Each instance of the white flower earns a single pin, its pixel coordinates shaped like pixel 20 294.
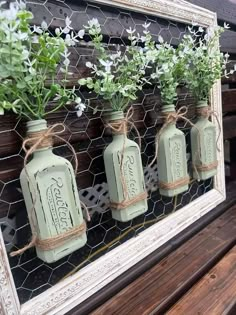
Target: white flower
pixel 143 39
pixel 175 59
pixel 44 25
pixel 1 111
pixel 226 26
pixel 21 36
pixel 69 41
pixel 89 64
pixel 146 25
pixel 107 64
pixel 25 54
pixel 165 67
pixel 35 39
pixel 81 33
pixel 130 30
pixel 21 5
pixel 32 71
pixel 11 13
pixel 68 22
pixel 57 31
pixel 160 39
pixel 115 56
pixel 227 56
pixel 37 30
pixel 66 62
pixel 93 22
pixel 80 107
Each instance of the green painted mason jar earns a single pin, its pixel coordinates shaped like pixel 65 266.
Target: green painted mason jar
pixel 203 145
pixel 49 186
pixel 171 160
pixel 132 173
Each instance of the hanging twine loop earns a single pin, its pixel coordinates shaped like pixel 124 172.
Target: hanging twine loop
pixel 120 126
pixel 35 141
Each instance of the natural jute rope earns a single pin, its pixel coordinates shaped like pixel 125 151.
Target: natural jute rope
pixel 39 140
pixel 120 127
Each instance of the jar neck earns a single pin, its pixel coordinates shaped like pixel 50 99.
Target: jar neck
pixel 36 130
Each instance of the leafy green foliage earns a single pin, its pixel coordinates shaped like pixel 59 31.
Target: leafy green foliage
pixel 203 62
pixel 118 76
pixel 29 56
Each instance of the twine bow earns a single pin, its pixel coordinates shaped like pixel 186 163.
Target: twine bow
pixel 120 127
pixel 38 140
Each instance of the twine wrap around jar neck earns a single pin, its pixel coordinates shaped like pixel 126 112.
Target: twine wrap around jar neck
pixel 37 129
pixel 203 110
pixel 117 122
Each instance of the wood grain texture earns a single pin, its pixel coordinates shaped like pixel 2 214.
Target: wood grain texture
pixel 162 285
pixel 214 293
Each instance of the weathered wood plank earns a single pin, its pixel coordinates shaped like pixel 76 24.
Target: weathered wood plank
pixel 229 123
pixel 161 286
pixel 229 100
pixel 213 293
pixel 88 126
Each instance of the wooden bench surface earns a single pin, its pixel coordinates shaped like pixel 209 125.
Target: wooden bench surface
pixel 213 293
pixel 179 278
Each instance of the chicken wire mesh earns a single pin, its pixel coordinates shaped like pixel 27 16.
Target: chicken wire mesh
pixel 89 138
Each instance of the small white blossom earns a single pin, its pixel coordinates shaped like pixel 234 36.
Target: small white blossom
pixel 11 13
pixel 1 111
pixel 44 25
pixel 160 39
pixel 81 33
pixel 93 22
pixel 227 56
pixel 226 26
pixel 37 30
pixel 115 56
pixel 146 25
pixel 89 64
pixel 130 30
pixel 57 31
pixel 66 62
pixel 21 5
pixel 69 41
pixel 35 39
pixel 68 22
pixel 107 64
pixel 80 107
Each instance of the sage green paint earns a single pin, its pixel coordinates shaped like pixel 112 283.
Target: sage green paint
pixel 203 145
pixel 132 171
pixel 171 160
pixel 50 181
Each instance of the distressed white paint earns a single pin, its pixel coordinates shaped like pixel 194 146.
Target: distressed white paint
pixel 72 291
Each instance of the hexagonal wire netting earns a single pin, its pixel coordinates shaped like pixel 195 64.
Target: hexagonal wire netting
pixel 89 138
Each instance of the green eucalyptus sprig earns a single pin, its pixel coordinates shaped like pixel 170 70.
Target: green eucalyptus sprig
pixel 204 63
pixel 168 68
pixel 29 56
pixel 117 77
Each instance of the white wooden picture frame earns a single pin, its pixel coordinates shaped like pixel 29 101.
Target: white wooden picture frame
pixel 72 291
